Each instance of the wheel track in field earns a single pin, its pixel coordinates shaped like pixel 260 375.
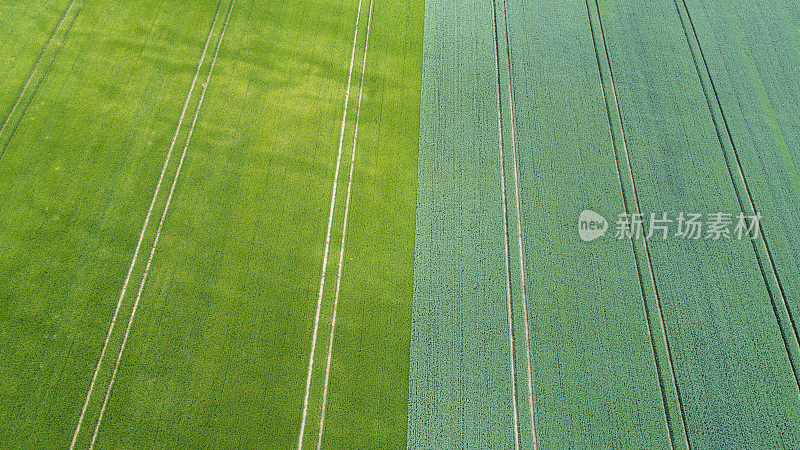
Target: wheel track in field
pixel 506 253
pixel 627 210
pixel 59 46
pixel 528 358
pixel 344 232
pixel 146 222
pixel 644 240
pixel 328 235
pixel 160 226
pixel 777 309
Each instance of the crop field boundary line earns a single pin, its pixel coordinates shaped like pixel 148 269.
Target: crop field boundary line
pixel 743 178
pixel 142 233
pixel 627 210
pixel 506 252
pixel 328 235
pixel 161 224
pixel 646 247
pixel 344 232
pixel 60 45
pixel 519 228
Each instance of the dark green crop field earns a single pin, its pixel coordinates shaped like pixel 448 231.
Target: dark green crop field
pixel 533 113
pixel 385 224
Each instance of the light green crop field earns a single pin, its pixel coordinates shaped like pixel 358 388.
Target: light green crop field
pixel 213 349
pixel 359 224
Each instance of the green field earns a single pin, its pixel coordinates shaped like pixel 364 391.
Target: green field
pixel 613 106
pixel 218 352
pixel 354 224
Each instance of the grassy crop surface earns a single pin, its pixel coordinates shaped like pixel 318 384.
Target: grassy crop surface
pixel 587 381
pixel 220 124
pixel 44 28
pixel 755 89
pixel 592 356
pixel 37 21
pixel 717 309
pixel 388 224
pixel 609 106
pixel 460 387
